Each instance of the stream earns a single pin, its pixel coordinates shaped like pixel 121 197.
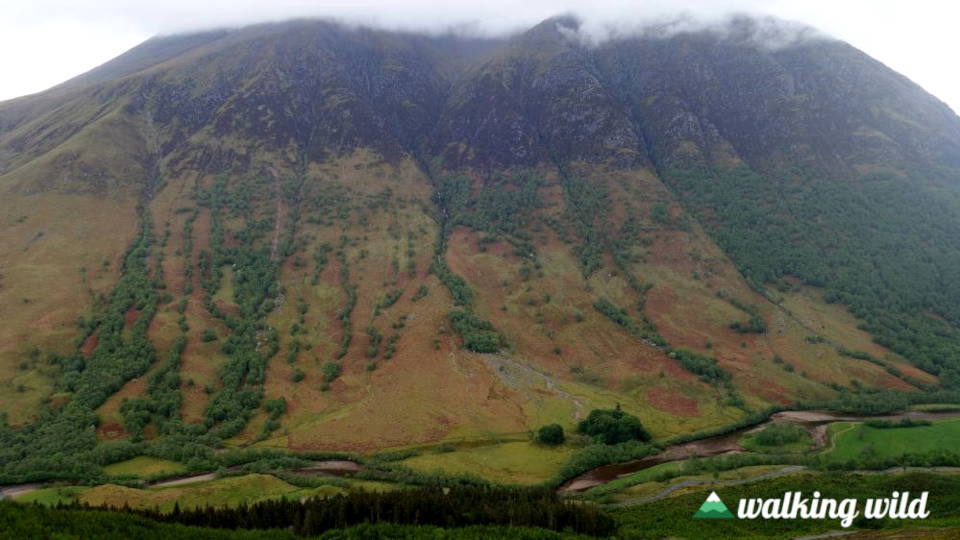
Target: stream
pixel 815 422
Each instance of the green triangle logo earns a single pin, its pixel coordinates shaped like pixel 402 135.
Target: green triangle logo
pixel 713 508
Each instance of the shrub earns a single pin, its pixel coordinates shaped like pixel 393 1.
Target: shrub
pixel 478 335
pixel 780 434
pixel 551 434
pixel 331 370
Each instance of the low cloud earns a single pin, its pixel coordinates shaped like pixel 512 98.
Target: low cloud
pixel 56 39
pixel 761 31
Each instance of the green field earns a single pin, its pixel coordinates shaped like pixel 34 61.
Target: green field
pixel 229 491
pixel 857 440
pixel 144 467
pixel 508 463
pixel 936 407
pixel 654 480
pixel 672 517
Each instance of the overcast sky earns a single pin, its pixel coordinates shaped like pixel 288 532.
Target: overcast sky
pixel 45 42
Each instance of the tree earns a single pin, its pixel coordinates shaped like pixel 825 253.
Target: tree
pixel 551 434
pixel 613 426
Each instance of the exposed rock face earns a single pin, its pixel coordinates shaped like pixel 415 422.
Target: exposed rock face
pixel 539 96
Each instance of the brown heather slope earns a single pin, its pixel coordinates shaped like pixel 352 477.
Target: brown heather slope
pixel 543 170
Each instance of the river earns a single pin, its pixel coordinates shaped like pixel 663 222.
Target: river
pixel 815 422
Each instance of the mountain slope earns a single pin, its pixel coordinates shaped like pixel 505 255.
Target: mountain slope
pixel 315 237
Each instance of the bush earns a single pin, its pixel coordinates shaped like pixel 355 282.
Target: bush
pixel 421 293
pixel 208 335
pixel 551 434
pixel 331 370
pixel 478 335
pixel 704 366
pixel 780 434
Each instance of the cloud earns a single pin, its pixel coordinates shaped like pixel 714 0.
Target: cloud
pixel 491 16
pixel 761 31
pixel 56 39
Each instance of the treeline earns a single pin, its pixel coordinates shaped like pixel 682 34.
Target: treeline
pixel 446 507
pixel 903 423
pixel 35 521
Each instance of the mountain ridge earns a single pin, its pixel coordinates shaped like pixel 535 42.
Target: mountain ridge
pixel 349 238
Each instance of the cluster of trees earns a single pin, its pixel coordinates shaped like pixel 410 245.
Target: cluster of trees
pixel 456 207
pixel 275 409
pixel 620 316
pixel 754 325
pixel 351 291
pixel 613 426
pixel 503 205
pixel 587 204
pixel 118 358
pixel 61 441
pixel 255 276
pixel 780 434
pixel 389 299
pixel 623 255
pixel 459 290
pixel 420 294
pixel 162 402
pixel 478 335
pixel 704 366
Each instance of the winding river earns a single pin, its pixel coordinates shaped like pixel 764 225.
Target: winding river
pixel 815 422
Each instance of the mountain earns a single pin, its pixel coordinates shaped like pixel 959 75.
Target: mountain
pixel 317 237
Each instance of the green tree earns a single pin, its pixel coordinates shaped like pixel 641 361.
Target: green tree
pixel 613 426
pixel 551 434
